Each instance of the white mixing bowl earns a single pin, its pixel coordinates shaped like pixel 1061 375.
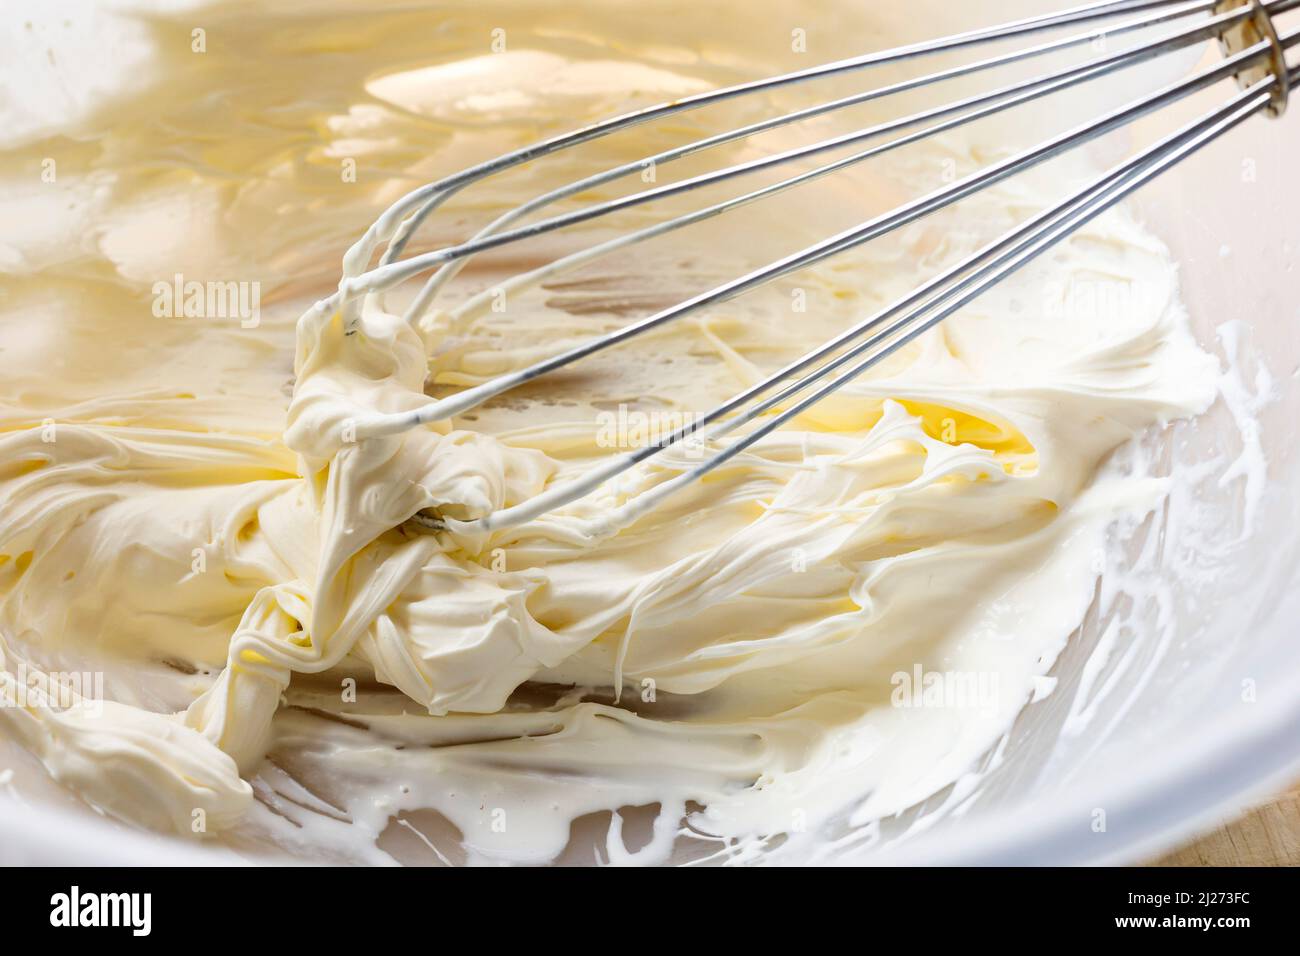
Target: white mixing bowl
pixel 1175 704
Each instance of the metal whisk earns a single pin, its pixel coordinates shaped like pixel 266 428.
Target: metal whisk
pixel 1254 53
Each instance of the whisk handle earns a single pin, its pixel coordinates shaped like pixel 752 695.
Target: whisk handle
pixel 1248 32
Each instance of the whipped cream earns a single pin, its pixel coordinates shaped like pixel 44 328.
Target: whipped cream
pixel 831 628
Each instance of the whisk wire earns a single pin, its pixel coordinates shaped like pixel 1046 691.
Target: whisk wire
pixel 1013 95
pixel 449 269
pixel 1254 53
pixel 996 261
pixel 395 224
pixel 874 228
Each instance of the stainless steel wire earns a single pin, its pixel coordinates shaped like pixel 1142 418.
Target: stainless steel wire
pixel 1255 54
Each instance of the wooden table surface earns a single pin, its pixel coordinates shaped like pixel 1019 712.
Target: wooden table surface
pixel 1267 836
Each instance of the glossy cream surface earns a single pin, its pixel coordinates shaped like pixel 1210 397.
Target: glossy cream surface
pixel 289 659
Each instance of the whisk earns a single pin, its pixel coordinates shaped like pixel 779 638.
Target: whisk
pixel 1254 53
